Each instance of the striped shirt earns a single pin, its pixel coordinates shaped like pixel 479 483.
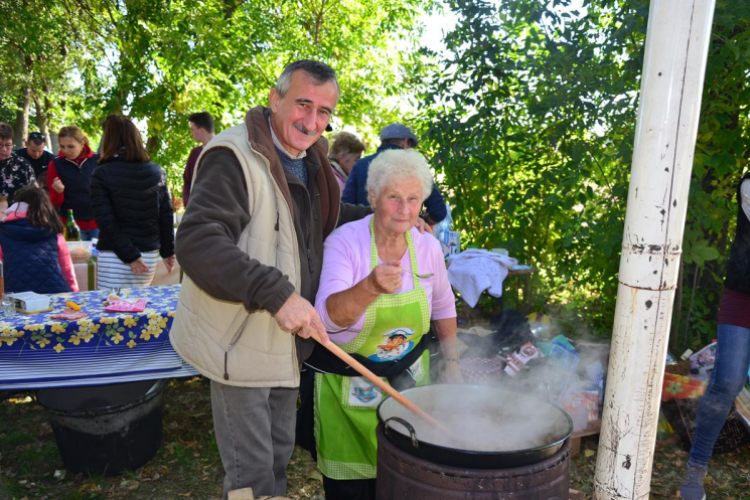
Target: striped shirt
pixel 114 273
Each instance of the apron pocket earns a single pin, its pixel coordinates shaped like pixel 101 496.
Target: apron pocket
pixel 360 393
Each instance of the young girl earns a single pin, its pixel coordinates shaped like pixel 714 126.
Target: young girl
pixel 69 178
pixel 32 247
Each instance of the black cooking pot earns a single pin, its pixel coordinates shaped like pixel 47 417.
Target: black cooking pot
pixel 491 428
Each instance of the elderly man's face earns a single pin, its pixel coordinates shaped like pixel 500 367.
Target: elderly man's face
pixel 301 116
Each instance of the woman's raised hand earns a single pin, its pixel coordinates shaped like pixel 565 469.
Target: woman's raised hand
pixel 386 277
pixel 57 185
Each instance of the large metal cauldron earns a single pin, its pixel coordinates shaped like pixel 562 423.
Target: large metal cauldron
pixel 492 428
pixel 402 476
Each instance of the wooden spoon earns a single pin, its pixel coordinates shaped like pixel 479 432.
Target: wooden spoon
pixel 369 375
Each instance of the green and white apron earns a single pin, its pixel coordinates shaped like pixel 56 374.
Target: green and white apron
pixel 345 407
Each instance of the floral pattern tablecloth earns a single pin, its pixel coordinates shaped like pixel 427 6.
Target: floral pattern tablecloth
pixel 38 351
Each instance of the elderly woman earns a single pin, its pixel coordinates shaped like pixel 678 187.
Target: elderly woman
pixel 15 172
pixel 382 282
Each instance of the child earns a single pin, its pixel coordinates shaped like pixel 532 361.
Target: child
pixel 32 247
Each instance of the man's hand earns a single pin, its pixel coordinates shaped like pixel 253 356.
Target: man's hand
pixel 386 277
pixel 57 185
pixel 298 316
pixel 423 226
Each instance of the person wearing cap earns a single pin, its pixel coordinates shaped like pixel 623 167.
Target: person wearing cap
pixel 37 156
pixel 394 136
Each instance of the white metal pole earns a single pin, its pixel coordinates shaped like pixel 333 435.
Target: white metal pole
pixel 674 66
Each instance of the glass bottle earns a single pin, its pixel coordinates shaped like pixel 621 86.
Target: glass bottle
pixel 71 232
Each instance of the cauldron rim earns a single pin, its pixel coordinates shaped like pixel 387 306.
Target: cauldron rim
pixel 480 459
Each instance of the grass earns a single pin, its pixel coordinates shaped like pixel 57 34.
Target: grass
pixel 187 464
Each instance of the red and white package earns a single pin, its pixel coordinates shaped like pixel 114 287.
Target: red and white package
pixel 518 359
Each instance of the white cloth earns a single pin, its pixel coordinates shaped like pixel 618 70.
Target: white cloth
pixel 20 206
pixel 473 271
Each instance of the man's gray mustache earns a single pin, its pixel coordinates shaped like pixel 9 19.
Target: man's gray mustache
pixel 304 130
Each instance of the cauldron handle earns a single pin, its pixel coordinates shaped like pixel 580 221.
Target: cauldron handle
pixel 409 427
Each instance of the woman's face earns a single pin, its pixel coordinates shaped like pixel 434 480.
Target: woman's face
pixel 71 147
pixel 398 205
pixel 6 148
pixel 348 160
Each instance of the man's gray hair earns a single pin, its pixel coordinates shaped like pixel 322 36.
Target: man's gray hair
pixel 320 73
pixel 394 166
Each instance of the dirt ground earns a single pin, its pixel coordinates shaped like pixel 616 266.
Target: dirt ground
pixel 187 464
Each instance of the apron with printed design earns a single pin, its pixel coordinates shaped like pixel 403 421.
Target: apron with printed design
pixel 345 407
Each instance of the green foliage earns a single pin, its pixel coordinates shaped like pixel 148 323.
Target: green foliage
pixel 159 60
pixel 530 118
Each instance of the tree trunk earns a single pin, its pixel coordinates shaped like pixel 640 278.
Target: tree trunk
pixel 42 120
pixel 153 143
pixel 22 118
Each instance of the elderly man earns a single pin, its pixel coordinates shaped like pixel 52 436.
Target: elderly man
pixel 251 244
pixel 394 136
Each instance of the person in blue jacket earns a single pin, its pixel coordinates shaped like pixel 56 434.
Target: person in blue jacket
pixel 394 136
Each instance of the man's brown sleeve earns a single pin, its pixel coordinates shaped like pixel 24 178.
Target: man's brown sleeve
pixel 350 213
pixel 206 244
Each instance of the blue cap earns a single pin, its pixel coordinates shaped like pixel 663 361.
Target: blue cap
pixel 398 131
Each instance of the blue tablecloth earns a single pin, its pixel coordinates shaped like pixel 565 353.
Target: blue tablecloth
pixel 37 351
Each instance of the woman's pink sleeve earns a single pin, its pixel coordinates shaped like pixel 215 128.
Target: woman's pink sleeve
pixel 66 263
pixel 336 276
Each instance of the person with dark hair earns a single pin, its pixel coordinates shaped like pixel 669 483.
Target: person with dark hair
pixel 250 244
pixel 732 352
pixel 394 136
pixel 346 149
pixel 15 172
pixel 202 129
pixel 37 156
pixel 34 252
pixel 132 208
pixel 69 177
